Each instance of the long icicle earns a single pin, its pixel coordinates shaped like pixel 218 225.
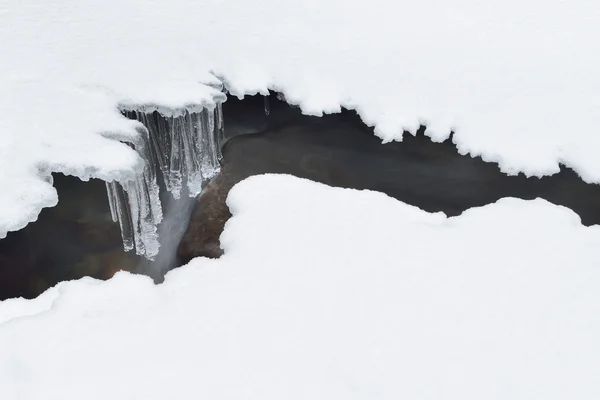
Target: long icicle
pixel 182 149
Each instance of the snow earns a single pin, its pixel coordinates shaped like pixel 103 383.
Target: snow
pixel 329 293
pixel 516 79
pixel 17 308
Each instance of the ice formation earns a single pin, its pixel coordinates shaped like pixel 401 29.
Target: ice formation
pixel 182 148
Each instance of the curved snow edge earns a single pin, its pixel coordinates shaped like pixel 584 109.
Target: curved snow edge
pixel 254 198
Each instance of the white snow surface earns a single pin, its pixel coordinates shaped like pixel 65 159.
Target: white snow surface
pixel 328 293
pixel 517 79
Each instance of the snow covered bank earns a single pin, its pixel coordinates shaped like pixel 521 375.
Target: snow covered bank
pixel 516 79
pixel 328 293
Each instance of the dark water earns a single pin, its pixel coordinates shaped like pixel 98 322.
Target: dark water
pixel 339 150
pixel 77 238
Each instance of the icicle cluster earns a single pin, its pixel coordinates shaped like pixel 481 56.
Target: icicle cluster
pixel 181 149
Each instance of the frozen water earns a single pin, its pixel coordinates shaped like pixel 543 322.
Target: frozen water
pixel 181 148
pixel 184 147
pixel 135 204
pixel 119 209
pixel 176 216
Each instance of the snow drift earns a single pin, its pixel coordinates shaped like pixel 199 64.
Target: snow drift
pixel 516 80
pixel 330 293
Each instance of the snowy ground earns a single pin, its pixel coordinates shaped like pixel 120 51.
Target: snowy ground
pixel 517 79
pixel 323 293
pixel 329 293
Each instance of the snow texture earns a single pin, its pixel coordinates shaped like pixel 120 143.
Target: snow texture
pixel 517 80
pixel 363 297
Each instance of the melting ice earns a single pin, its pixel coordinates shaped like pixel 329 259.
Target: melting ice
pixel 182 149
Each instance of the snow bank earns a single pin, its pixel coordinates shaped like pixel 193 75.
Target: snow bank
pixel 17 308
pixel 517 79
pixel 328 293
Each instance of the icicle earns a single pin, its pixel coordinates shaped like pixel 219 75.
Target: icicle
pixel 120 210
pixel 220 134
pixel 219 116
pixel 146 214
pixel 211 167
pixel 194 174
pixel 175 175
pixel 267 105
pixel 157 144
pixel 136 205
pixel 183 149
pixel 112 201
